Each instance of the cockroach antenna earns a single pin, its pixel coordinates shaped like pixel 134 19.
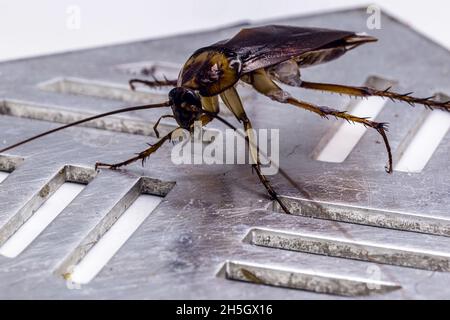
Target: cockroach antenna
pixel 128 109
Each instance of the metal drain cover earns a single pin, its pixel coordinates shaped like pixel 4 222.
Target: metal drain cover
pixel 368 235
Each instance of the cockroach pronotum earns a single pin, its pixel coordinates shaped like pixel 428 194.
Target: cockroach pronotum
pixel 261 57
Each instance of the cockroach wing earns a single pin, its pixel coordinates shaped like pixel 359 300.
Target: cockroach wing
pixel 265 46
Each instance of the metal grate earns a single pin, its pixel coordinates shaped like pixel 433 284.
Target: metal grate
pixel 365 234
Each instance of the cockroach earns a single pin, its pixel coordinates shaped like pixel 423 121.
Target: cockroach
pixel 261 57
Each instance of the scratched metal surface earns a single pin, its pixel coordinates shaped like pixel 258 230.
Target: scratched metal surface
pixel 216 225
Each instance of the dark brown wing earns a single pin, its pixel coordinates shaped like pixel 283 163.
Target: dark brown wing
pixel 261 47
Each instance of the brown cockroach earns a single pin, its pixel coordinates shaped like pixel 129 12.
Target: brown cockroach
pixel 261 57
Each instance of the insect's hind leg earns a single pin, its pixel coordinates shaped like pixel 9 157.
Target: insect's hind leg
pixel 324 112
pixel 368 92
pixel 263 84
pixel 140 156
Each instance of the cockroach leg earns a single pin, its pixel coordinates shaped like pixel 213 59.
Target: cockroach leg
pixel 324 112
pixel 233 102
pixel 152 84
pixel 210 104
pixel 368 92
pixel 251 141
pixel 254 151
pixel 140 156
pixel 205 119
pixel 262 82
pixel 155 127
pixel 273 194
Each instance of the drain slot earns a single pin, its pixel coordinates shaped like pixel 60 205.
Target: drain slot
pixel 42 208
pixel 108 236
pixel 31 229
pixel 99 255
pixel 157 69
pixel 339 142
pixel 29 110
pixel 308 280
pixel 102 89
pixel 418 147
pixel 366 216
pixel 349 249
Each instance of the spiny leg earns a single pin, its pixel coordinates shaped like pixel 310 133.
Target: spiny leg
pixel 368 92
pixel 140 156
pixel 273 194
pixel 263 84
pixel 155 127
pixel 152 84
pixel 324 112
pixel 208 116
pixel 231 99
pixel 269 188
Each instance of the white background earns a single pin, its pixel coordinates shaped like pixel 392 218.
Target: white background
pixel 33 27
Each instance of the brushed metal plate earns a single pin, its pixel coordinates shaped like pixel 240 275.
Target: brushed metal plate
pixel 195 243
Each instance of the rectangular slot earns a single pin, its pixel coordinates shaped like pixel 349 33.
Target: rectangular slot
pixel 157 69
pixel 366 216
pixel 35 111
pixel 337 144
pixel 350 249
pixel 418 147
pixel 113 230
pixel 31 229
pixel 103 89
pixel 308 280
pixel 114 238
pixel 348 135
pixel 43 207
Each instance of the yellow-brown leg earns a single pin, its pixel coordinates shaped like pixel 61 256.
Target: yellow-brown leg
pixel 140 156
pixel 155 127
pixel 368 92
pixel 205 119
pixel 263 84
pixel 231 99
pixel 381 127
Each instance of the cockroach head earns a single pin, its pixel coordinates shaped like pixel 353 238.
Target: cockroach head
pixel 184 97
pixel 186 106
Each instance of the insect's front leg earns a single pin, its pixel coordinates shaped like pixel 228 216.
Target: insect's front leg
pixel 140 156
pixel 367 92
pixel 155 127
